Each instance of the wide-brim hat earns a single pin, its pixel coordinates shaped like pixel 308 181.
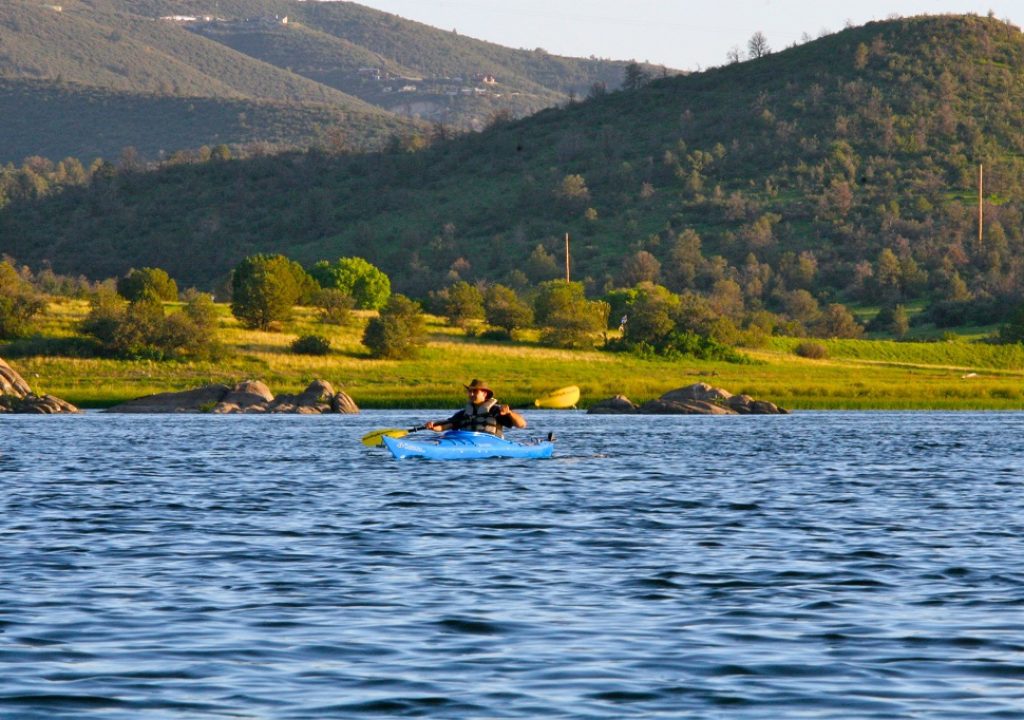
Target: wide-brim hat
pixel 476 384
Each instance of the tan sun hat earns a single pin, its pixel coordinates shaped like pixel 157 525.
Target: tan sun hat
pixel 476 384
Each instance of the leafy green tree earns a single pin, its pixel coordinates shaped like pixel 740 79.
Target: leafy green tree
pixel 694 314
pixel 19 303
pixel 364 282
pixel 801 306
pixel 504 309
pixel 151 281
pixel 837 322
pixel 541 265
pixel 639 267
pixel 264 289
pixel 619 301
pixel 464 304
pixel 568 318
pixel 683 261
pixel 650 315
pixel 888 276
pixel 398 332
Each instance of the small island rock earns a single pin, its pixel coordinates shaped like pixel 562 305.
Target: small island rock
pixel 696 399
pixel 618 405
pixel 248 397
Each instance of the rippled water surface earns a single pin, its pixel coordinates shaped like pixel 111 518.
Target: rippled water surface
pixel 818 565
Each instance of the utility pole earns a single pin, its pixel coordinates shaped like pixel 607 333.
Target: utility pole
pixel 567 258
pixel 981 204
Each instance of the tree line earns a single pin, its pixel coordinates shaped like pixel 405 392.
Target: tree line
pixel 128 316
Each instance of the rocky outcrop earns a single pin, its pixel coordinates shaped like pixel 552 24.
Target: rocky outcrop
pixel 618 405
pixel 17 397
pixel 696 399
pixel 661 406
pixel 249 397
pixel 189 401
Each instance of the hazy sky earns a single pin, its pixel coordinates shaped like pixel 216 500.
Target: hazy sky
pixel 683 34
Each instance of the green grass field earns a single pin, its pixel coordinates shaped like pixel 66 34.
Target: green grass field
pixel 858 374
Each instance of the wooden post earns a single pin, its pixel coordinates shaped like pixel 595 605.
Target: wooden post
pixel 567 257
pixel 981 204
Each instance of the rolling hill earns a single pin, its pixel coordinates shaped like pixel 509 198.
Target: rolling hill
pixel 846 167
pixel 334 61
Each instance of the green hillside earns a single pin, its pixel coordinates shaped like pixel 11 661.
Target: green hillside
pixel 376 38
pixel 352 59
pixel 845 167
pixel 130 53
pixel 36 111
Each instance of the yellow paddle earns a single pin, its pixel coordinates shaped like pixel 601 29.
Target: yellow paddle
pixel 560 399
pixel 375 438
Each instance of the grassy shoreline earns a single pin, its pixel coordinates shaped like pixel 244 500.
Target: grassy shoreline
pixel 858 375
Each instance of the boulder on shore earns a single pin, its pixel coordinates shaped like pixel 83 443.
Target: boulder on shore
pixel 618 405
pixel 695 399
pixel 189 401
pixel 248 396
pixel 17 397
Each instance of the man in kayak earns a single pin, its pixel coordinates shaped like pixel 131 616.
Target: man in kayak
pixel 481 414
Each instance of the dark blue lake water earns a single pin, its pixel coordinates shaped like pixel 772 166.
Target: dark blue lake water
pixel 818 565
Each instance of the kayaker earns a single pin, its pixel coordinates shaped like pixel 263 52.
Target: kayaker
pixel 482 413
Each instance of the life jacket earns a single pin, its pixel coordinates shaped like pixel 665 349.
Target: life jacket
pixel 478 418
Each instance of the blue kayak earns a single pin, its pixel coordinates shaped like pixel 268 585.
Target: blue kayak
pixel 465 445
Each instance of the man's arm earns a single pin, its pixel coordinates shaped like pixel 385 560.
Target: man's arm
pixel 442 425
pixel 512 418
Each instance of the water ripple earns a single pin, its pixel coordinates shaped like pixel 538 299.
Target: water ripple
pixel 827 565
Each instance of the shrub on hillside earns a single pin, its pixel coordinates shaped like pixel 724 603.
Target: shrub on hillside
pixel 811 350
pixel 311 345
pixel 141 329
pixel 398 332
pixel 334 306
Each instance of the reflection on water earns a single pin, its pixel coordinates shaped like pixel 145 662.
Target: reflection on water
pixel 814 565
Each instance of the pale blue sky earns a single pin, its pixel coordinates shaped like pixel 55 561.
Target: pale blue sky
pixel 679 33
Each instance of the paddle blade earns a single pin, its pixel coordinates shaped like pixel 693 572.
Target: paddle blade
pixel 375 439
pixel 560 399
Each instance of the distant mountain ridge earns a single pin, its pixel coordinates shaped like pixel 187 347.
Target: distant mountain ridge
pixel 351 59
